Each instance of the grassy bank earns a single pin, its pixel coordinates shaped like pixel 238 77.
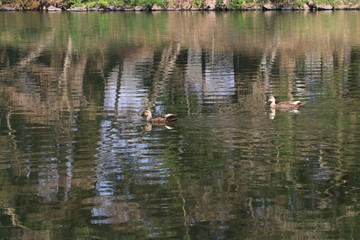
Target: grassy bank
pixel 113 5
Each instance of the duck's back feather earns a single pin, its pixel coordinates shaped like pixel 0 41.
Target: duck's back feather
pixel 165 118
pixel 290 104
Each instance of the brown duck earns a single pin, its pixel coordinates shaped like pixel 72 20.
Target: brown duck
pixel 284 105
pixel 162 118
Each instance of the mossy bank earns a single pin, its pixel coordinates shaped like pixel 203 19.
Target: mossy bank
pixel 194 5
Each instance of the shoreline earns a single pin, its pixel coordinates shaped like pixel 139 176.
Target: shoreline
pixel 204 5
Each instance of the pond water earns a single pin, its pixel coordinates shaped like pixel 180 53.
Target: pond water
pixel 77 161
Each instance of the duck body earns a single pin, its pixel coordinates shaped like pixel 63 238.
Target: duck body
pixel 161 118
pixel 285 105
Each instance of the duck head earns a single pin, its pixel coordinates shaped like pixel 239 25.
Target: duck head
pixel 147 114
pixel 271 99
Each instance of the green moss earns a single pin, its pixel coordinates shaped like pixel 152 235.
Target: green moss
pixel 239 4
pixel 149 3
pixel 236 4
pixel 198 3
pixel 328 2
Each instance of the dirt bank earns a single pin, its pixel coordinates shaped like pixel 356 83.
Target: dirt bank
pixel 176 5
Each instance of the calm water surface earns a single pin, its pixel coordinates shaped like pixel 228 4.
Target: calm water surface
pixel 78 162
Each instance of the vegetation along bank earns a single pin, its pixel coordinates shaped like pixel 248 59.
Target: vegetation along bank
pixel 158 5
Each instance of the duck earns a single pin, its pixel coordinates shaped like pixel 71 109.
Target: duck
pixel 284 105
pixel 161 118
